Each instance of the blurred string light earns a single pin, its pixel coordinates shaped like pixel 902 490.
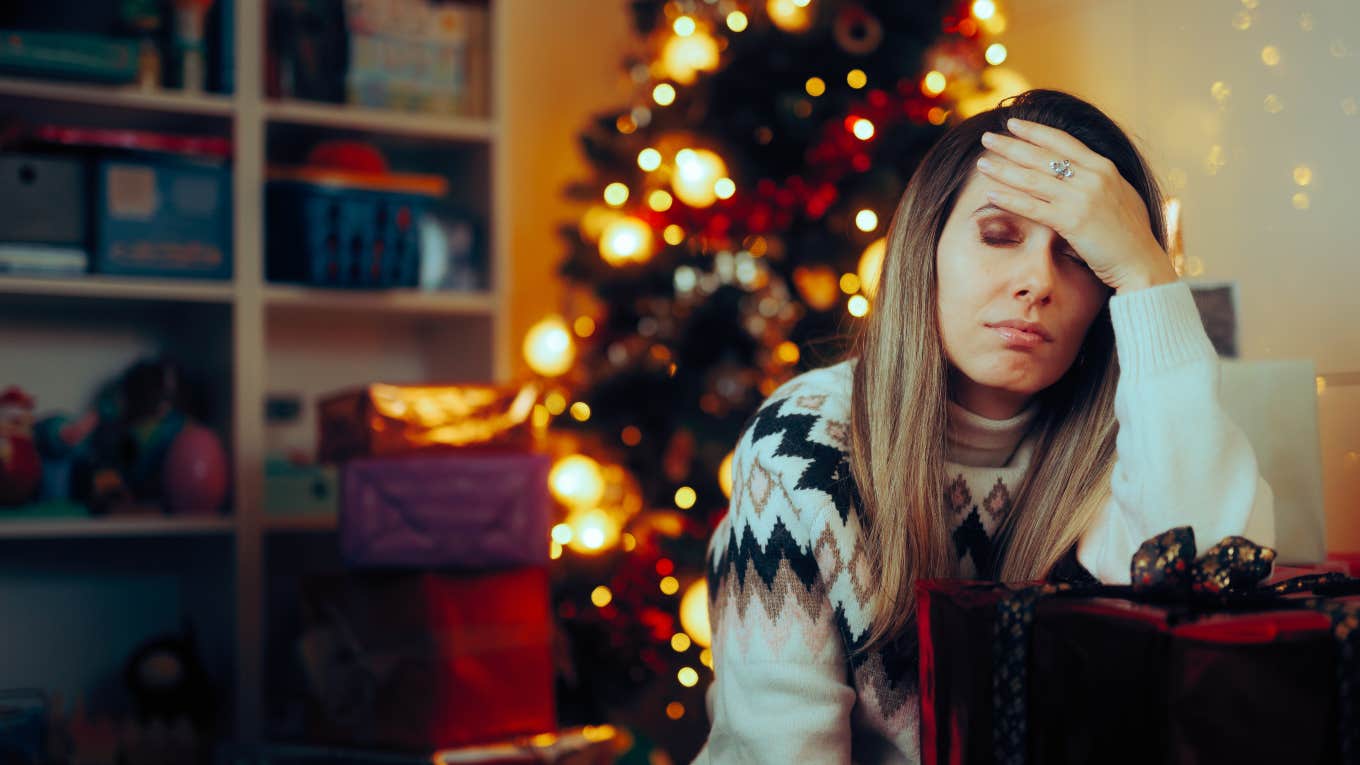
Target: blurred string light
pixel 684 56
pixel 737 21
pixel 593 531
pixel 685 497
pixel 580 411
pixel 684 26
pixel 871 264
pixel 669 585
pixel 697 171
pixel 789 15
pixel 1270 55
pixel 688 677
pixel 862 128
pixel 725 476
pixel 996 54
pixel 815 86
pixel 983 9
pixel 856 78
pixel 584 326
pixel 858 306
pixel 694 613
pixel 934 83
pixel 664 94
pixel 1303 175
pixel 601 596
pixel 649 159
pixel 615 194
pixel 578 482
pixel 660 200
pixel 626 240
pixel 548 347
pixel 866 220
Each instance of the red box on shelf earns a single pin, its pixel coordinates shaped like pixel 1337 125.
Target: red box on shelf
pixel 422 661
pixel 1111 680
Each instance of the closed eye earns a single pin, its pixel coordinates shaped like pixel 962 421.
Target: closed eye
pixel 1005 241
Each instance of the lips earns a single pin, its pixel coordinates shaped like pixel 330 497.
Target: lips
pixel 1027 327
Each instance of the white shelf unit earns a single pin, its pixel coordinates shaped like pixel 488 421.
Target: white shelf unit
pixel 254 338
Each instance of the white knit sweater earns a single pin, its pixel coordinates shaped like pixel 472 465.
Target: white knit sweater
pixel 788 576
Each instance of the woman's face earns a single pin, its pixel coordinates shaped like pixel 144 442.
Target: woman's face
pixel 994 266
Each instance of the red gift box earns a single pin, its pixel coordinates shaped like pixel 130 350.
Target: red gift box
pixel 1110 680
pixel 422 661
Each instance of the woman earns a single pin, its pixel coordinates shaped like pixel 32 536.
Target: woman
pixel 1033 388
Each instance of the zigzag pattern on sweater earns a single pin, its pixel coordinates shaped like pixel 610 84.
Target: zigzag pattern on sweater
pixel 886 680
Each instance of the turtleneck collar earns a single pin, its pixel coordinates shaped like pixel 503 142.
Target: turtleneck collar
pixel 977 441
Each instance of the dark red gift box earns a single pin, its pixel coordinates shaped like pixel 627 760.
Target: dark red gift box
pixel 1114 681
pixel 421 661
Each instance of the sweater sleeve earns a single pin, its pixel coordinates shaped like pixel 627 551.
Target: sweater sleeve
pixel 780 691
pixel 1180 460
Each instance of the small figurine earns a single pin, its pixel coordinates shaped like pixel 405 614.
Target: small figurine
pixel 20 465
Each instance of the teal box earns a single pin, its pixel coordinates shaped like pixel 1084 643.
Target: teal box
pixel 300 490
pixel 161 216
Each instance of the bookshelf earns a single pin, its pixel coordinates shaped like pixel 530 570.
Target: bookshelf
pixel 254 338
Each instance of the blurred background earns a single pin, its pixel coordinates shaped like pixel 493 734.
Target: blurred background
pixel 369 368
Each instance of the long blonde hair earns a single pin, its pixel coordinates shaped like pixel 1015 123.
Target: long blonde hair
pixel 899 400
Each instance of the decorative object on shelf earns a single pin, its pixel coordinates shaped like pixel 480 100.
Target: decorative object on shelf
pixel 142 18
pixel 137 447
pixel 417 55
pixel 345 220
pixel 294 488
pixel 383 420
pixel 1197 648
pixel 43 214
pixel 60 55
pixel 171 690
pixel 452 252
pixel 195 472
pixel 190 50
pixel 308 52
pixel 20 463
pixel 419 661
pixel 467 511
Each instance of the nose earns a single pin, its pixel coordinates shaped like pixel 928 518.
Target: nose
pixel 1036 271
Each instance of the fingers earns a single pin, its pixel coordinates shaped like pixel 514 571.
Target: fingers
pixel 1039 183
pixel 1022 204
pixel 1059 142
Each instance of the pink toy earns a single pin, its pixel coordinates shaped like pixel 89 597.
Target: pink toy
pixel 195 472
pixel 20 465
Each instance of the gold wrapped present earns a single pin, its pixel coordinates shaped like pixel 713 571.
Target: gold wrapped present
pixel 383 419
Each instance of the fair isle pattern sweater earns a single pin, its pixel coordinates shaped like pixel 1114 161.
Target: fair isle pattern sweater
pixel 790 581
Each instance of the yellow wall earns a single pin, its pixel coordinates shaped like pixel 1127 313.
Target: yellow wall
pixel 565 64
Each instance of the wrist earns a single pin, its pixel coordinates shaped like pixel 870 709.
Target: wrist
pixel 1151 276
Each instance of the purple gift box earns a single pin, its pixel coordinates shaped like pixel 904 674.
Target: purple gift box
pixel 445 510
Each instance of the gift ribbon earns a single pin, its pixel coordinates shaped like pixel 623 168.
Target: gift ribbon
pixel 1165 570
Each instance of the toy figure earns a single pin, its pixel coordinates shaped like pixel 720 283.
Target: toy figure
pixel 20 465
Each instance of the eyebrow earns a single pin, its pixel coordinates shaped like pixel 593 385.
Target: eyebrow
pixel 989 206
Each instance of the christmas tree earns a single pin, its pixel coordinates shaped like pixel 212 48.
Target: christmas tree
pixel 734 223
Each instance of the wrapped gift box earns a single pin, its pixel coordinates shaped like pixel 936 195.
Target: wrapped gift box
pixel 381 420
pixel 1112 680
pixel 445 511
pixel 423 661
